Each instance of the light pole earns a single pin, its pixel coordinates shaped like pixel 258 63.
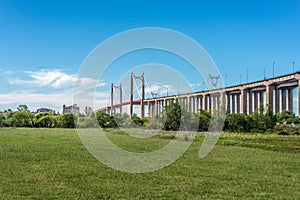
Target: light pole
pixel 273 68
pixel 167 90
pixel 159 89
pixel 247 76
pixel 191 87
pixel 226 75
pixel 264 73
pixel 293 67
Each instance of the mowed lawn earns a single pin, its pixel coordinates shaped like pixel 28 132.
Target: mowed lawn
pixel 54 164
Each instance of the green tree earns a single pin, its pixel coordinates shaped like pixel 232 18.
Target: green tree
pixel 204 120
pixel 105 120
pixel 22 108
pixel 7 115
pixel 45 120
pixel 270 118
pixel 259 117
pixel 21 119
pixel 172 116
pixel 238 123
pixel 66 121
pixel 287 117
pixel 136 121
pixel 1 120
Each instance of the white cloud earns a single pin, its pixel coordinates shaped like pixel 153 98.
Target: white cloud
pixel 52 78
pixel 35 95
pixel 102 84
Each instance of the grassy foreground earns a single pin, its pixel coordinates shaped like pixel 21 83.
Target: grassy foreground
pixel 53 164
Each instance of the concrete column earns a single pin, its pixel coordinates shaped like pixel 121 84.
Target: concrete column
pixel 250 103
pixel 277 101
pixel 283 100
pixel 221 102
pixel 131 94
pixel 261 98
pixel 193 104
pixel 228 103
pixel 214 100
pixel 233 103
pixel 238 104
pixel 200 103
pixel 197 104
pixel 155 108
pixel 290 100
pixel 244 101
pixel 111 98
pixel 269 95
pixel 218 102
pixel 150 109
pixel 255 101
pixel 204 102
pixel 188 103
pixel 209 102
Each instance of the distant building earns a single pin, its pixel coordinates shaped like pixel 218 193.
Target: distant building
pixel 42 110
pixel 70 109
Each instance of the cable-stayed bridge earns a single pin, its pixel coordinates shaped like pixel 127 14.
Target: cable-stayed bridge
pixel 277 92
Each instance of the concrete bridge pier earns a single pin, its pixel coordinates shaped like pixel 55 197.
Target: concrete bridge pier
pixel 283 99
pixel 277 99
pixel 290 100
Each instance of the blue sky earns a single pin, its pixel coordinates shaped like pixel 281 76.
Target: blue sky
pixel 43 43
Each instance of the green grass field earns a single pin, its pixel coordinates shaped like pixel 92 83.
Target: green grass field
pixel 53 164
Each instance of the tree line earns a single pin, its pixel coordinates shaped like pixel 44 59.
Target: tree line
pixel 24 118
pixel 174 117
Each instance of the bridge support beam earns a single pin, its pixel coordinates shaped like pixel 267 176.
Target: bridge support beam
pixel 261 98
pixel 290 100
pixel 269 95
pixel 244 101
pixel 255 101
pixel 228 103
pixel 208 102
pixel 111 99
pixel 131 94
pixel 250 102
pixel 283 100
pixel 238 104
pixel 204 102
pixel 233 103
pixel 143 96
pixel 277 110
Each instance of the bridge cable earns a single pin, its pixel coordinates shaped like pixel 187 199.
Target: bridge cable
pixel 151 92
pixel 137 88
